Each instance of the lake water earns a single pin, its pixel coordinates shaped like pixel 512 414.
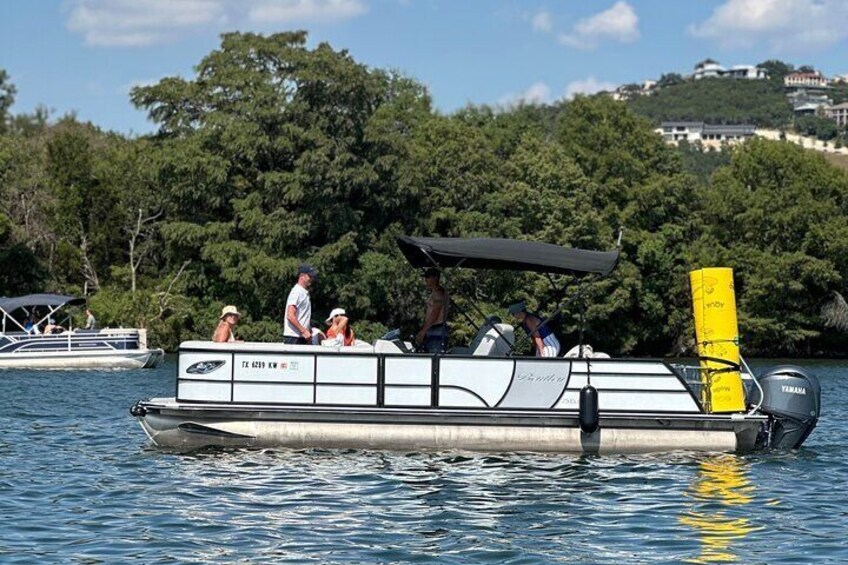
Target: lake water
pixel 79 484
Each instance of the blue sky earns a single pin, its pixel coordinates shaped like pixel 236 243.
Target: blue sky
pixel 85 55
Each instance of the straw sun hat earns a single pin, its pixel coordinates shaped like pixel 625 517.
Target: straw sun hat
pixel 230 310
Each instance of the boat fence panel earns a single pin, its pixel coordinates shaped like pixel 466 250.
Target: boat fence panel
pixel 276 367
pixel 536 384
pixel 629 386
pixel 205 367
pixel 473 382
pixel 283 378
pixel 346 370
pixel 205 377
pixel 347 380
pixel 204 391
pixel 278 393
pixel 408 381
pixel 627 382
pixel 646 401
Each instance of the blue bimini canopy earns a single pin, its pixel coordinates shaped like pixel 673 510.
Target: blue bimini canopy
pixel 53 301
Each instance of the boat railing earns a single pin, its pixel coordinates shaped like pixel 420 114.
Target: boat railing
pixel 116 339
pixel 694 377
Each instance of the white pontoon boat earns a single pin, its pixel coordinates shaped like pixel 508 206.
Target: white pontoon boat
pixel 68 348
pixel 481 398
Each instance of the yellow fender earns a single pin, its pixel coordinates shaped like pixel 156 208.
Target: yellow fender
pixel 716 329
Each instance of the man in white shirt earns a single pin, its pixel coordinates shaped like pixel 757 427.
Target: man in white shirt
pixel 299 309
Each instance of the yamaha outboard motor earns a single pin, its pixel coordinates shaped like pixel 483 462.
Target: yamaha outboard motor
pixel 792 397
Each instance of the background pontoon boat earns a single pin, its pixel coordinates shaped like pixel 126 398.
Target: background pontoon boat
pixel 109 348
pixel 385 397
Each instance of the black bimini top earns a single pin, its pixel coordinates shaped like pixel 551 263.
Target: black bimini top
pixel 11 304
pixel 505 254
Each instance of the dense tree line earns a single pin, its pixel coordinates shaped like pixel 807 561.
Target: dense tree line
pixel 275 153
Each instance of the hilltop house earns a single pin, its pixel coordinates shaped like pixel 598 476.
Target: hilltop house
pixel 711 69
pixel 805 80
pixel 707 134
pixel 838 113
pixel 806 103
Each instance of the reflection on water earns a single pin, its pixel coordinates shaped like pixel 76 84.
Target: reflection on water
pixel 721 484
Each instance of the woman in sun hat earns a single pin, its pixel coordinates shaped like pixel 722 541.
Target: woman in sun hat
pixel 228 320
pixel 340 328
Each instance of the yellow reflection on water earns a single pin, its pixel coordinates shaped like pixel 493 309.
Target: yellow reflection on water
pixel 722 482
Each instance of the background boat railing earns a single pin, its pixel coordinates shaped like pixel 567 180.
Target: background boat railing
pixel 107 339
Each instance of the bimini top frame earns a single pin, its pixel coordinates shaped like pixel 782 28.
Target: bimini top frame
pixel 52 302
pixel 511 255
pixel 505 254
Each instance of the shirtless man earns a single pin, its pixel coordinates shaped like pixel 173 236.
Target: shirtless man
pixel 433 335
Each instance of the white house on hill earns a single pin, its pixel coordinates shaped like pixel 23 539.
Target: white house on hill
pixel 707 134
pixel 714 70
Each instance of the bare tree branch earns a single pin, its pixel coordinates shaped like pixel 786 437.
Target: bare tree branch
pixel 165 297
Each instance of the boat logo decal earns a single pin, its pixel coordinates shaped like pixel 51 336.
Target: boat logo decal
pixel 794 389
pixel 204 367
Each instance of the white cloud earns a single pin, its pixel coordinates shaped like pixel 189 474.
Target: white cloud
pixel 618 23
pixel 133 23
pixel 284 11
pixel 589 85
pixel 785 25
pixel 543 22
pixel 537 93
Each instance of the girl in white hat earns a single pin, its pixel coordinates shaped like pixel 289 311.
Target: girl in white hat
pixel 228 320
pixel 340 328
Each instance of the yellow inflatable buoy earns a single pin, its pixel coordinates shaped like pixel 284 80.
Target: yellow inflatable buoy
pixel 714 306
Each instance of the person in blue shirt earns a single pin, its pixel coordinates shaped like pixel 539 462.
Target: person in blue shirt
pixel 30 326
pixel 547 344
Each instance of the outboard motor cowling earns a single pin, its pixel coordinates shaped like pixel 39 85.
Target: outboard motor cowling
pixel 792 397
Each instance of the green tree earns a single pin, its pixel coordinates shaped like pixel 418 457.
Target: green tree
pixel 7 98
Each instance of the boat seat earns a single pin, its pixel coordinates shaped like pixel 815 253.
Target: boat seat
pixel 393 346
pixel 588 353
pixel 488 342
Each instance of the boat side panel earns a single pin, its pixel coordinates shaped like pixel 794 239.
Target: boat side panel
pixel 536 384
pixel 189 367
pixel 461 380
pixel 408 370
pixel 207 391
pixel 368 379
pixel 279 367
pixel 273 392
pixel 625 385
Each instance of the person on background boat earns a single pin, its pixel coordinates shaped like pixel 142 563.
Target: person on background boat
pixel 340 329
pixel 52 327
pixel 229 319
pixel 90 322
pixel 433 334
pixel 299 308
pixel 30 326
pixel 546 343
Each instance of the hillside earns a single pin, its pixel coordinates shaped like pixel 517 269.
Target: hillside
pixel 840 161
pixel 718 101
